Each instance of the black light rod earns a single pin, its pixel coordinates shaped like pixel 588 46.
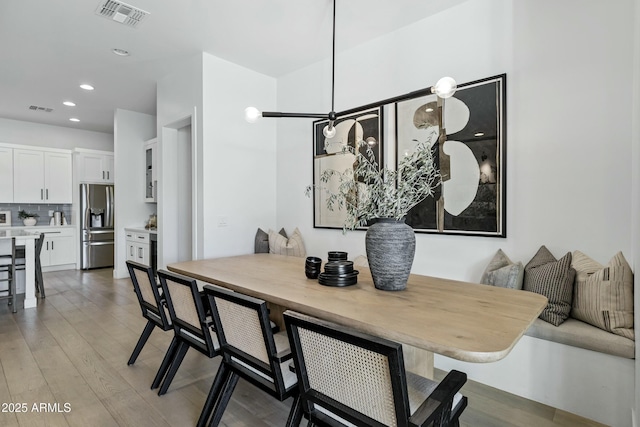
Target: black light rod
pixel 301 115
pixel 333 59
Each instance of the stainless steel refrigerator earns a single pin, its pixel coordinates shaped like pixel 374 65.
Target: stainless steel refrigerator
pixel 96 226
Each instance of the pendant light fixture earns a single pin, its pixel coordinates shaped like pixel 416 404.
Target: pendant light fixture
pixel 444 88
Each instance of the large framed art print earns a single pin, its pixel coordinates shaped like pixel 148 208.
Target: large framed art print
pixel 332 154
pixel 470 155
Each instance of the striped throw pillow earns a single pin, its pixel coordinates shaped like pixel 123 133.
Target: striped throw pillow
pixel 554 279
pixel 293 246
pixel 603 295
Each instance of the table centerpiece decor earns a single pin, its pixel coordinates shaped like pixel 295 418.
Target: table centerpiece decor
pixel 380 198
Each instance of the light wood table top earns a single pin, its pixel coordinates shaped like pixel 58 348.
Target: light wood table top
pixel 465 321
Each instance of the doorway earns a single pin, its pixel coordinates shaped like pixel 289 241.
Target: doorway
pixel 178 201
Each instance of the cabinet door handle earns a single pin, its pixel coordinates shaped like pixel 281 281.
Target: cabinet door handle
pixel 131 250
pixel 47 192
pixel 102 174
pixel 47 245
pixel 41 194
pixel 107 174
pixel 140 253
pixel 51 245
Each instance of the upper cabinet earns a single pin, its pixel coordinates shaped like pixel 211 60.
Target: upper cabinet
pixel 95 167
pixel 151 170
pixel 42 176
pixel 6 175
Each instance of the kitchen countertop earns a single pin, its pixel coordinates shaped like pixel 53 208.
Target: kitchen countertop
pixel 141 229
pixel 36 227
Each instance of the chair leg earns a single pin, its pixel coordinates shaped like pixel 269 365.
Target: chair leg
pixel 166 362
pixel 295 415
pixel 227 391
pixel 221 378
pixel 146 333
pixel 175 364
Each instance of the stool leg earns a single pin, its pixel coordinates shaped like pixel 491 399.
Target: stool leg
pixel 39 279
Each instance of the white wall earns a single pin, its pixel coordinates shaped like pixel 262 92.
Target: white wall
pixel 569 150
pixel 28 133
pixel 131 130
pixel 239 177
pixel 179 97
pixel 233 160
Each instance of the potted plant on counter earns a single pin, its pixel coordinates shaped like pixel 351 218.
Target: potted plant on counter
pixel 28 218
pixel 380 198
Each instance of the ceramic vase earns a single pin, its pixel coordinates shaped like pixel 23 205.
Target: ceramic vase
pixel 29 221
pixel 391 247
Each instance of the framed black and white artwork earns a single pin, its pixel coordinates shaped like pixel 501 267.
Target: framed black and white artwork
pixel 329 153
pixel 470 155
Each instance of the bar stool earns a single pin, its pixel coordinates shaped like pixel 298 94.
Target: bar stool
pixel 21 262
pixel 8 268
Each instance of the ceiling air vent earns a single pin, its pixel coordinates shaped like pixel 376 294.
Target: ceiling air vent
pixel 36 108
pixel 121 12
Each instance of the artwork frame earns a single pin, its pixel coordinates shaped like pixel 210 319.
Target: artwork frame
pixel 470 154
pixel 363 124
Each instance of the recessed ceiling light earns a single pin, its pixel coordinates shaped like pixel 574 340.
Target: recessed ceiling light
pixel 69 103
pixel 73 119
pixel 86 87
pixel 479 134
pixel 120 52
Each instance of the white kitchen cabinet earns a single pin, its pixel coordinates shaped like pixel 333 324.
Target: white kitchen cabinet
pixel 59 247
pixel 6 175
pixel 95 167
pixel 151 170
pixel 138 246
pixel 42 176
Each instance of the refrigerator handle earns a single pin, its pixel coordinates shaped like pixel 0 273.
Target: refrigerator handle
pixel 84 189
pixel 109 213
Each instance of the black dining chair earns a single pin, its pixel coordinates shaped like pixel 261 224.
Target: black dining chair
pixel 192 326
pixel 250 350
pixel 152 304
pixel 347 378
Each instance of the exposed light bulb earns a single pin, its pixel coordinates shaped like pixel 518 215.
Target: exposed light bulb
pixel 371 141
pixel 329 131
pixel 251 114
pixel 445 87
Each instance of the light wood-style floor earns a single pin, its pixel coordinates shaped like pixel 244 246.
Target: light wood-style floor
pixel 66 361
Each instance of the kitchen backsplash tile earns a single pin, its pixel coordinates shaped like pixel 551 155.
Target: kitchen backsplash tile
pixel 41 209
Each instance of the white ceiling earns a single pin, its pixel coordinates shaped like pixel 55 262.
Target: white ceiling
pixel 49 47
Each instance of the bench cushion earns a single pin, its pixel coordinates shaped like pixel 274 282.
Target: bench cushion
pixel 575 333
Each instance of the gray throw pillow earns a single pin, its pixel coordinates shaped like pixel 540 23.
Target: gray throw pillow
pixel 554 279
pixel 502 272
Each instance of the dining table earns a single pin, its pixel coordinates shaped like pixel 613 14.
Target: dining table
pixel 465 321
pixel 27 239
